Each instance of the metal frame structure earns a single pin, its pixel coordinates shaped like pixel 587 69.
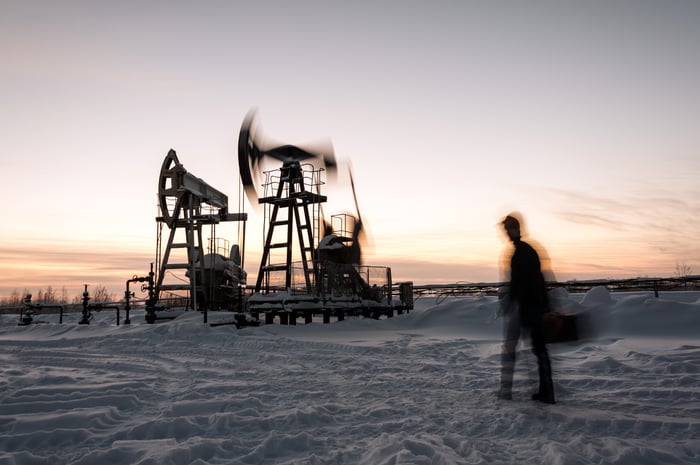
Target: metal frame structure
pixel 187 204
pixel 293 207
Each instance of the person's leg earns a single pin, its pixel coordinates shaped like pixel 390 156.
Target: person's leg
pixel 511 334
pixel 545 392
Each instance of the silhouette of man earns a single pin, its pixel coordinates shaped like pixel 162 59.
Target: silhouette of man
pixel 526 304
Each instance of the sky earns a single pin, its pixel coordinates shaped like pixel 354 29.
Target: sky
pixel 582 116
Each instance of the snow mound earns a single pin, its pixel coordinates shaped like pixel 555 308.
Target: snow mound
pixel 412 389
pixel 597 296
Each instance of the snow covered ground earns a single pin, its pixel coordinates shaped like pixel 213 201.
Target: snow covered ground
pixel 413 389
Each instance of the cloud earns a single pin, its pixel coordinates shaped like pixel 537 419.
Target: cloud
pixel 427 272
pixel 34 265
pixel 643 228
pixel 651 207
pixel 590 219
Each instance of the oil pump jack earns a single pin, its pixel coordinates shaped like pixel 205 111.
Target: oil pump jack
pixel 207 281
pixel 328 275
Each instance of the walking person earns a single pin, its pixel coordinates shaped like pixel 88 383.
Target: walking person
pixel 523 309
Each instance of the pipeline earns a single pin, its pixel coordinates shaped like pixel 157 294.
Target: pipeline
pixel 128 295
pixel 26 315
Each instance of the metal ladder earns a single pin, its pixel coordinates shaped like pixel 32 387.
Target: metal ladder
pixel 293 198
pixel 192 228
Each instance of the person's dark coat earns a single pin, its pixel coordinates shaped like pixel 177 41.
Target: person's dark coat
pixel 527 286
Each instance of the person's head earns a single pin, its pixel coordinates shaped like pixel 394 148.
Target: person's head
pixel 511 224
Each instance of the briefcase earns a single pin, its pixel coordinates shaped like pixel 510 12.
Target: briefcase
pixel 560 327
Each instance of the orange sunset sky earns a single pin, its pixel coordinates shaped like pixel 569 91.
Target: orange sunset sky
pixel 583 116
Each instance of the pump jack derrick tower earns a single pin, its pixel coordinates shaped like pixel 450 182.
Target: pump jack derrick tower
pixel 292 206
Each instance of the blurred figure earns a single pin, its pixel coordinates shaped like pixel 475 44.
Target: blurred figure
pixel 523 306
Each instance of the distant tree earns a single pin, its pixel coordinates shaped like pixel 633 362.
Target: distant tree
pixel 683 270
pixel 98 294
pixel 102 294
pixel 14 299
pixel 49 295
pixel 64 296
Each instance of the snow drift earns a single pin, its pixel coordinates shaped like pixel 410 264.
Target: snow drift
pixel 413 389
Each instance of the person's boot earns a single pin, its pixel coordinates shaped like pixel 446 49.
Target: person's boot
pixel 544 398
pixel 545 393
pixel 505 393
pixel 507 368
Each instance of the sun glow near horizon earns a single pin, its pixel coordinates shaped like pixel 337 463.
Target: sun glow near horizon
pixel 32 267
pixel 464 112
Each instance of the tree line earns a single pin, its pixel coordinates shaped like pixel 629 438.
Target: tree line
pixel 53 296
